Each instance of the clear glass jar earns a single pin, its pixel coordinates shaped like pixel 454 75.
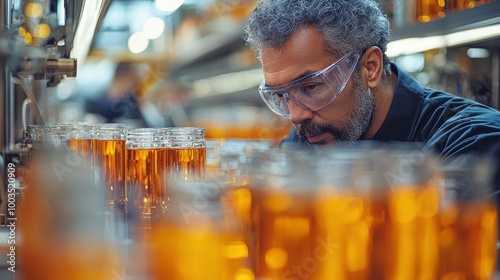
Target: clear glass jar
pixel 146 171
pixel 186 137
pixel 63 223
pixel 47 136
pixel 79 138
pixel 468 218
pixel 109 161
pixel 110 131
pixel 186 158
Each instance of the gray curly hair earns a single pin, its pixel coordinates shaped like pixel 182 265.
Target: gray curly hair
pixel 347 25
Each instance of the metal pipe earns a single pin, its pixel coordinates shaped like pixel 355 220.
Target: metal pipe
pixel 495 79
pixel 5 89
pixel 5 92
pixel 6 14
pixel 29 94
pixel 6 104
pixel 61 66
pixel 3 137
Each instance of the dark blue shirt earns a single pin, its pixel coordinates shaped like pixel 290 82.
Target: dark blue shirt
pixel 444 123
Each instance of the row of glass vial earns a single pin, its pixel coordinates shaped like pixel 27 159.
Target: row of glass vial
pixel 403 12
pixel 132 165
pixel 429 10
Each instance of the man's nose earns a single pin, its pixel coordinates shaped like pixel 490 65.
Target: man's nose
pixel 297 113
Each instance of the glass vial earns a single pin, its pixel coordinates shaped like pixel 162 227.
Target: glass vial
pixel 146 171
pixel 186 157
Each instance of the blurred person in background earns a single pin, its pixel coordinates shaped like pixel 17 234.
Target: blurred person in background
pixel 118 102
pixel 325 68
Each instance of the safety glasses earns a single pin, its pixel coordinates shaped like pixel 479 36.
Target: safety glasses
pixel 313 91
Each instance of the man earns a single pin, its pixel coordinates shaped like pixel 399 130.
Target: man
pixel 118 102
pixel 325 68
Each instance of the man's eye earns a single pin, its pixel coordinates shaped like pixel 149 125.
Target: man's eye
pixel 310 88
pixel 279 94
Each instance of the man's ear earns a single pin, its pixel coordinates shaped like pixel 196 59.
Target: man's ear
pixel 372 66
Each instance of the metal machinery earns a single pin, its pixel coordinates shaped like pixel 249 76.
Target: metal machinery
pixel 38 39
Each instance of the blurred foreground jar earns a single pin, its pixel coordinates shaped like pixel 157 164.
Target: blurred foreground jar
pixel 283 188
pixel 228 160
pixel 197 238
pixel 61 228
pixel 315 216
pixel 468 220
pixel 186 158
pixel 146 171
pixel 406 243
pixel 349 212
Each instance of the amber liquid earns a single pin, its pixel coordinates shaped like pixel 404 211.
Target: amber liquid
pixel 457 5
pixel 428 10
pixel 53 247
pixel 83 148
pixel 309 236
pixel 71 260
pixel 467 241
pixel 346 235
pixel 203 250
pixel 109 157
pixel 274 131
pixel 409 234
pixel 147 181
pixel 236 202
pixel 346 224
pixel 284 235
pixel 186 163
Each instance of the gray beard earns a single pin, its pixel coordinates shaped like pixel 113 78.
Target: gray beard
pixel 355 127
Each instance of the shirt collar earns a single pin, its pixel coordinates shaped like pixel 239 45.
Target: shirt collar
pixel 403 114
